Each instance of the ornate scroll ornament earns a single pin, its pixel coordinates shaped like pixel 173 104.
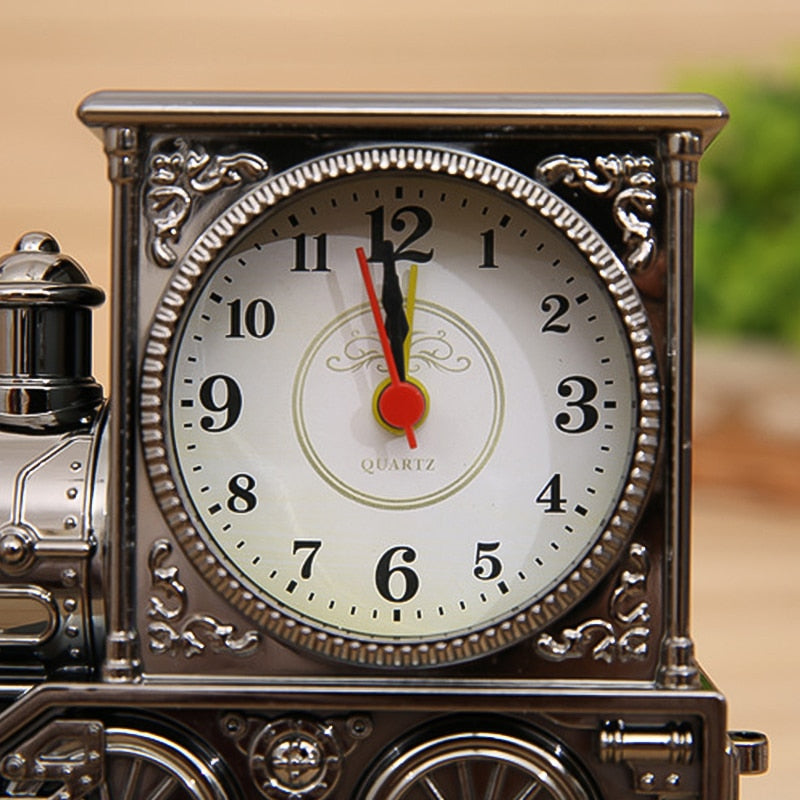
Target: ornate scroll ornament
pixel 626 637
pixel 177 179
pixel 629 180
pixel 171 632
pixel 430 349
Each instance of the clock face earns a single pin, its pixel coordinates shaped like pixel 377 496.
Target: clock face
pixel 408 406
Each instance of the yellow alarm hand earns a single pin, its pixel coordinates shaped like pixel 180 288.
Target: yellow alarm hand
pixel 411 299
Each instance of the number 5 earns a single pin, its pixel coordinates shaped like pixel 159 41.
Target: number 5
pixel 487 566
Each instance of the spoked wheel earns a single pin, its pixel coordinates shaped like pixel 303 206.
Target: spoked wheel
pixel 145 766
pixel 475 765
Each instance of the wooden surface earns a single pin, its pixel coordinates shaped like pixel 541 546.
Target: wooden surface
pixel 52 176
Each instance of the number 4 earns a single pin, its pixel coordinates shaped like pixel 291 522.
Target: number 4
pixel 551 497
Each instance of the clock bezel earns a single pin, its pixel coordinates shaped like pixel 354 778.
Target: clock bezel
pixel 205 253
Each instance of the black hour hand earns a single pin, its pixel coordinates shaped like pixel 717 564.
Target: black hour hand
pixel 396 320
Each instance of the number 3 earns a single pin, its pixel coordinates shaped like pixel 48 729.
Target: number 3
pixel 589 414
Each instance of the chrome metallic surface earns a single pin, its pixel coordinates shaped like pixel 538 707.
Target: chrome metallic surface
pixel 121 659
pixel 659 759
pixel 177 182
pixel 45 355
pixel 452 762
pixel 575 715
pixel 65 752
pixel 629 181
pixel 293 758
pixel 149 766
pixel 171 631
pixel 679 668
pixel 130 666
pixel 52 498
pixel 72 759
pixel 602 112
pixel 672 744
pixel 625 636
pixel 160 458
pixel 30 616
pixel 53 475
pixel 752 752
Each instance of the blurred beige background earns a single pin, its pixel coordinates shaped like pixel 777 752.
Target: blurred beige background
pixel 747 498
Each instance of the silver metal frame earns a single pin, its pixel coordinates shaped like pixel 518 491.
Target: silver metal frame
pixel 676 119
pixel 610 689
pixel 155 432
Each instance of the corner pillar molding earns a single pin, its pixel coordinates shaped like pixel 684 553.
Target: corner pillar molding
pixel 678 668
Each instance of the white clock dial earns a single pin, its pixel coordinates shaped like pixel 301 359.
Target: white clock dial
pixel 450 535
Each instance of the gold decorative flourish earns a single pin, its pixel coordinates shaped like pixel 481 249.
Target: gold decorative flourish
pixel 360 351
pixel 430 349
pixel 435 351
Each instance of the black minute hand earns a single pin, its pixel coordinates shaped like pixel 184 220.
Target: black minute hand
pixel 396 320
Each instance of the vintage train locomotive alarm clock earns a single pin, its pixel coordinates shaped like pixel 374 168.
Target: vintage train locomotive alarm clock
pixel 390 499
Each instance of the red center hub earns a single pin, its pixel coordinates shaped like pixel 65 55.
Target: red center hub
pixel 401 405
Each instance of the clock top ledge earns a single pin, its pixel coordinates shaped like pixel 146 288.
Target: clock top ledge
pixel 620 112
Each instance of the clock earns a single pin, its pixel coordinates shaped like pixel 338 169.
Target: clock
pixel 393 359
pixel 390 498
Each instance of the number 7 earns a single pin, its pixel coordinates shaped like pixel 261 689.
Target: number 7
pixel 313 545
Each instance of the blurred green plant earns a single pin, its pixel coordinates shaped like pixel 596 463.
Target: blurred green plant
pixel 747 251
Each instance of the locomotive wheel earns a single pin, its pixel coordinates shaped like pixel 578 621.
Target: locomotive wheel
pixel 145 766
pixel 473 764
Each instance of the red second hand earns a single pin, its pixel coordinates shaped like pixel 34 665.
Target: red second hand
pixel 401 404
